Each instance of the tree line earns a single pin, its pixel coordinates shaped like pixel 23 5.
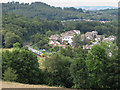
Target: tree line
pixel 22 29
pixel 68 67
pixel 45 11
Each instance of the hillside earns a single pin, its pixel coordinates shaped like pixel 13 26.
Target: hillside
pixel 38 9
pixel 45 11
pixel 22 29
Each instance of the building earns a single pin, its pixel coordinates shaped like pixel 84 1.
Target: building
pixel 54 37
pixel 91 35
pixel 54 42
pixel 110 38
pixel 99 37
pixel 68 36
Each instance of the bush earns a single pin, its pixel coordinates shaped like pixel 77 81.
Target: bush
pixel 58 70
pixel 10 75
pixel 16 45
pixel 25 63
pixel 79 73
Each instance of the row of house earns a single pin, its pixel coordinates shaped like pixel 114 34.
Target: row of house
pixel 63 37
pixel 88 20
pixel 96 39
pixel 91 38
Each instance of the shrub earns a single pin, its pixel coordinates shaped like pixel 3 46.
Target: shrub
pixel 25 63
pixel 79 73
pixel 10 75
pixel 58 70
pixel 16 45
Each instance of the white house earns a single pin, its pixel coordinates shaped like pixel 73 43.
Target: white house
pixel 52 42
pixel 67 36
pixel 54 37
pixel 110 38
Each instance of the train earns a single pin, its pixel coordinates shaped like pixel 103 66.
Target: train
pixel 35 51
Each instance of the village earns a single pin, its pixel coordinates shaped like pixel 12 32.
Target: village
pixel 89 38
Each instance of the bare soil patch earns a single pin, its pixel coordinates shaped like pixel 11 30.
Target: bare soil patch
pixel 20 85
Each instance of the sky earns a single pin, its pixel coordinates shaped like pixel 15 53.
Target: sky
pixel 70 3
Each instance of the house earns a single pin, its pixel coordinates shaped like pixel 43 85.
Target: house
pixel 94 33
pixel 110 38
pixel 54 37
pixel 54 42
pixel 67 36
pixel 51 42
pixel 91 35
pixel 99 37
pixel 63 38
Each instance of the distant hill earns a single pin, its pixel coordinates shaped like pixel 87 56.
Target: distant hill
pixel 45 11
pixel 96 7
pixel 39 9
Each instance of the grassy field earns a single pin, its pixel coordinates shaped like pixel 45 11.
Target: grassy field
pixel 4 49
pixel 6 84
pixel 40 61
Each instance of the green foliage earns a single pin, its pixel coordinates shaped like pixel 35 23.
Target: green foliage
pixel 11 38
pixel 49 33
pixel 16 45
pixel 79 52
pixel 79 72
pixel 77 41
pixel 24 62
pixel 69 67
pixel 109 28
pixel 78 69
pixel 40 41
pixel 58 67
pixel 10 75
pixel 67 51
pixel 97 62
pixel 113 71
pixel 41 10
pixel 20 29
pixel 110 47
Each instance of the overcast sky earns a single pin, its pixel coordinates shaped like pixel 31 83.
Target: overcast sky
pixel 71 3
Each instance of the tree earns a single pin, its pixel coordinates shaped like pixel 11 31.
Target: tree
pixel 11 38
pixel 77 41
pixel 79 73
pixel 24 62
pixel 10 75
pixel 67 52
pixel 58 67
pixel 17 45
pixel 79 52
pixel 97 62
pixel 110 48
pixel 113 72
pixel 48 33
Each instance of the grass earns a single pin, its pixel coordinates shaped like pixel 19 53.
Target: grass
pixel 41 61
pixel 4 49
